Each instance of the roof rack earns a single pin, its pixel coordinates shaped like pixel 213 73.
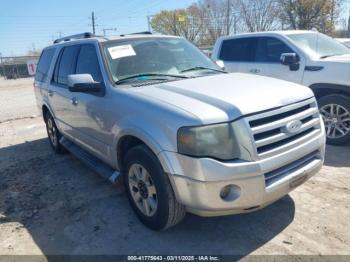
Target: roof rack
pixel 72 37
pixel 139 33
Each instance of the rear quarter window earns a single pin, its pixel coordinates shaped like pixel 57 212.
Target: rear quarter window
pixel 44 65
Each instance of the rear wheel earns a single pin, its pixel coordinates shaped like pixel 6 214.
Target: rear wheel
pixel 53 134
pixel 149 190
pixel 335 111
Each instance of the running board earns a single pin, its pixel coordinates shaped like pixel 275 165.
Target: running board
pixel 91 161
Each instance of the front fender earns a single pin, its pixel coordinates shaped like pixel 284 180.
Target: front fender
pixel 153 135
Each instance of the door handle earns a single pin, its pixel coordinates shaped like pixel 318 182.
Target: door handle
pixel 50 93
pixel 74 101
pixel 254 71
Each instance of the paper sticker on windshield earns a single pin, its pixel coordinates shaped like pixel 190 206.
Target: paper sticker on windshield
pixel 121 51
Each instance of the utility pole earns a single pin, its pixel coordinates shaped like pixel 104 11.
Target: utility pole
pixel 234 24
pixel 332 12
pixel 228 12
pixel 93 22
pixel 174 22
pixel 149 22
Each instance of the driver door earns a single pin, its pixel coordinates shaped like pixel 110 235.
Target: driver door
pixel 89 111
pixel 268 51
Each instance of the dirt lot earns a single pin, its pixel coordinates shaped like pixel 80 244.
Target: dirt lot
pixel 53 204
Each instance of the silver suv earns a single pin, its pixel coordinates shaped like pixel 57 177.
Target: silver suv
pixel 179 132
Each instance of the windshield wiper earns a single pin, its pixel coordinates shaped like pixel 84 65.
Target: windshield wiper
pixel 201 68
pixel 148 74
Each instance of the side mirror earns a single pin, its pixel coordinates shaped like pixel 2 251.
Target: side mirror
pixel 83 83
pixel 291 60
pixel 221 64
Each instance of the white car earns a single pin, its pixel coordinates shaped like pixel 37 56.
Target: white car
pixel 306 57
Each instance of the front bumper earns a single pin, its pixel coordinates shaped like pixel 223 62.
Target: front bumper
pixel 197 182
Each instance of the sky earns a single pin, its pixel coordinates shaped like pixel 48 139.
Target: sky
pixel 34 24
pixel 25 25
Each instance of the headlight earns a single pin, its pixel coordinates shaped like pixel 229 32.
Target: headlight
pixel 216 141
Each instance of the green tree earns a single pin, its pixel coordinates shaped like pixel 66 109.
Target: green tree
pixel 309 14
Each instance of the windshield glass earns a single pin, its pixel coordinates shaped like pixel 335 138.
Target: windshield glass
pixel 319 45
pixel 159 58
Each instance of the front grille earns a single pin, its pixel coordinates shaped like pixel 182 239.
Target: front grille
pixel 277 174
pixel 270 132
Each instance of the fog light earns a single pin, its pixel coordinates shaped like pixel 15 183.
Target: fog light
pixel 230 192
pixel 225 191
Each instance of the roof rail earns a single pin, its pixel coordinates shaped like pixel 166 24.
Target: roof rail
pixel 72 37
pixel 139 33
pixel 142 33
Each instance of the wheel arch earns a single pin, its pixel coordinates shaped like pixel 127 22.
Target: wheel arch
pixel 323 89
pixel 130 140
pixel 125 143
pixel 46 108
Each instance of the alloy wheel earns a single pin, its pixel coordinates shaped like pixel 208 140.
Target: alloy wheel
pixel 52 132
pixel 143 190
pixel 336 119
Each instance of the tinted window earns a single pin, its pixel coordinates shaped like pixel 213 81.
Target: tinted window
pixel 67 63
pixel 269 49
pixel 237 50
pixel 87 62
pixel 44 65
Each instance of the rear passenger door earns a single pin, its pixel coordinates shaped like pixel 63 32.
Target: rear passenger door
pixel 268 51
pixel 41 81
pixel 59 95
pixel 237 54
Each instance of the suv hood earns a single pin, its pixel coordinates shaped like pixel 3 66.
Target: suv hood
pixel 225 97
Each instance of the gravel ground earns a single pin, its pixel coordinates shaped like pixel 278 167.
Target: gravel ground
pixel 53 204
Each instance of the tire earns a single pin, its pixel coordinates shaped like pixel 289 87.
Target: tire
pixel 335 110
pixel 164 210
pixel 53 134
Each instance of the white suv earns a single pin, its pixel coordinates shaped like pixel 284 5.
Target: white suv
pixel 307 57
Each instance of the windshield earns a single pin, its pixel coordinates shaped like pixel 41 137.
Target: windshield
pixel 156 58
pixel 319 45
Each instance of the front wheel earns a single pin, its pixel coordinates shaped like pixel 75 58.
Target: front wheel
pixel 149 190
pixel 335 111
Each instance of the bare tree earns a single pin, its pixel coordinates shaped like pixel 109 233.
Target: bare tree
pixel 259 15
pixel 219 18
pixel 191 23
pixel 187 22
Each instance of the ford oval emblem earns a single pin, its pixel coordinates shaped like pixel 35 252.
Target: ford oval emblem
pixel 293 126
